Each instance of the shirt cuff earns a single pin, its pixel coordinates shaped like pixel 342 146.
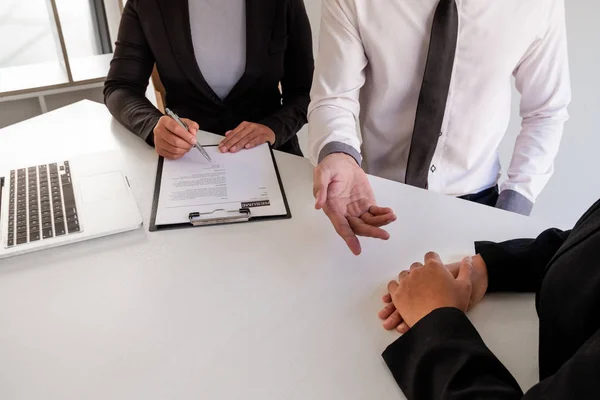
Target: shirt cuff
pixel 514 201
pixel 339 147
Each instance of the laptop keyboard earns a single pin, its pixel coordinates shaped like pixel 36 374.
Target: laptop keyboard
pixel 41 204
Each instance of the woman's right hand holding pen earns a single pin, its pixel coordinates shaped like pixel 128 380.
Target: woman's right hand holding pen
pixel 171 140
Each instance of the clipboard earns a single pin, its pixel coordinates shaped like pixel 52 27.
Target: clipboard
pixel 218 215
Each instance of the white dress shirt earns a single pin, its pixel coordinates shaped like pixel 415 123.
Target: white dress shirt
pixel 370 69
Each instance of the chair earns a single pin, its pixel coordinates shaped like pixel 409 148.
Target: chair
pixel 159 90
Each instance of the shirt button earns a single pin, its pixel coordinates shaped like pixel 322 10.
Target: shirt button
pixel 441 133
pixel 433 168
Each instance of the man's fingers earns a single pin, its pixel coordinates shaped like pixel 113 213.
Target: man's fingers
pixel 433 257
pixel 387 311
pixel 387 298
pixel 379 220
pixel 360 228
pixel 454 268
pixel 403 328
pixel 392 321
pixel 416 265
pixel 466 270
pixel 403 274
pixel 375 210
pixel 353 244
pixel 321 181
pixel 174 127
pixel 392 286
pixel 342 227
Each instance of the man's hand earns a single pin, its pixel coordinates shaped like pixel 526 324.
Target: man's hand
pixel 171 140
pixel 246 136
pixel 342 190
pixel 427 287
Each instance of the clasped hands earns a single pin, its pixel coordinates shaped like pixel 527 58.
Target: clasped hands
pixel 431 285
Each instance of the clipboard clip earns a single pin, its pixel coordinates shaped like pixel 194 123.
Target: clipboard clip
pixel 220 216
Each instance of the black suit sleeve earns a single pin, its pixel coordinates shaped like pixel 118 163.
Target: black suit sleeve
pixel 298 74
pixel 576 379
pixel 443 357
pixel 128 77
pixel 526 259
pixel 520 265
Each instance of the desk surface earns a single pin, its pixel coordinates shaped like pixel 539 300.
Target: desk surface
pixel 273 310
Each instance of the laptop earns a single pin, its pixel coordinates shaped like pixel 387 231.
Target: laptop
pixel 66 201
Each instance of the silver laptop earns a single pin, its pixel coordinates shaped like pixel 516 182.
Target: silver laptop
pixel 62 202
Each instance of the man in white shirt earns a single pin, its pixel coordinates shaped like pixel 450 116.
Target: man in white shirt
pixel 430 83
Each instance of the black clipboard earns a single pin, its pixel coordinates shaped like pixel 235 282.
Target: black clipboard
pixel 243 214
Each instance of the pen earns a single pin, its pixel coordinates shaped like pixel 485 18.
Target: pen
pixel 184 126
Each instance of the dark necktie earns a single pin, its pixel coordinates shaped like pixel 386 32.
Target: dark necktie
pixel 434 93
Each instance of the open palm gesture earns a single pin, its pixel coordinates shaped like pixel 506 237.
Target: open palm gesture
pixel 342 190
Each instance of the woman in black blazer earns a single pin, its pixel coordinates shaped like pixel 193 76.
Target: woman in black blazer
pixel 238 92
pixel 441 355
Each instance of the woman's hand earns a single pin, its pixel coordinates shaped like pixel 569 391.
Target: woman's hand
pixel 479 278
pixel 246 136
pixel 430 286
pixel 479 282
pixel 171 140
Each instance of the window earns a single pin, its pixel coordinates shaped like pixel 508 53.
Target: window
pixel 50 43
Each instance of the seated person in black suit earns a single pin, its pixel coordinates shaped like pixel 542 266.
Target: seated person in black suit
pixel 221 63
pixel 441 355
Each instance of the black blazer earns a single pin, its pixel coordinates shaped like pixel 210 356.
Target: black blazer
pixel 443 356
pixel 278 48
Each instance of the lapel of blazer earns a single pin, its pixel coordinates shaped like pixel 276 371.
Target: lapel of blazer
pixel 259 23
pixel 588 225
pixel 176 17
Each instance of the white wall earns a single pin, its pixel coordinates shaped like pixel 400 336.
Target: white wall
pixel 576 182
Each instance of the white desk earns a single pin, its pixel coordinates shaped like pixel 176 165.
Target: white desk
pixel 273 310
